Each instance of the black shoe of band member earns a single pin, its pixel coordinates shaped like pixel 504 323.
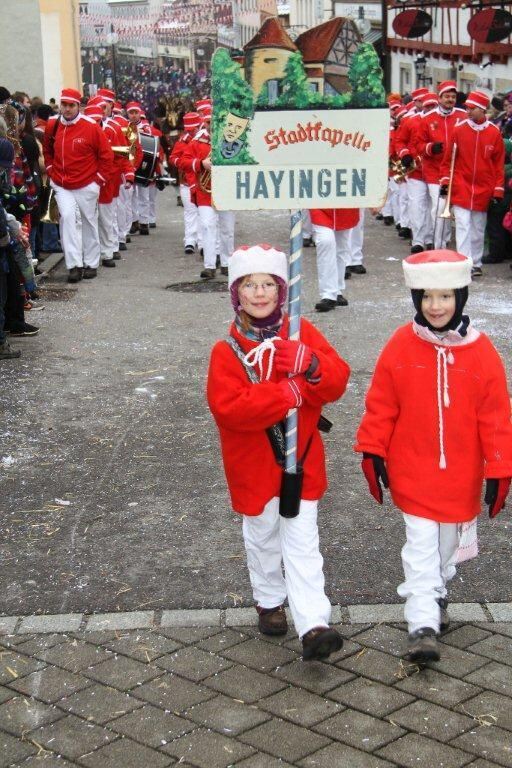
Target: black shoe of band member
pixel 422 646
pixel 272 621
pixel 379 217
pixel 320 642
pixel 404 232
pixel 89 273
pixel 108 262
pixel 143 229
pixel 116 256
pixel 429 247
pixel 358 269
pixel 122 247
pixel 152 225
pixel 417 249
pixel 207 274
pixel 134 228
pixel 348 273
pixel 128 239
pixel 341 301
pixel 388 221
pixel 189 249
pixel 224 271
pixel 325 305
pixel 75 274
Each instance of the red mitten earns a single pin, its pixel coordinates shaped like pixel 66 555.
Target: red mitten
pixel 292 390
pixel 374 469
pixel 496 491
pixel 292 356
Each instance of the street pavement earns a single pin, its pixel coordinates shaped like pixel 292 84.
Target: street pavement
pixel 127 633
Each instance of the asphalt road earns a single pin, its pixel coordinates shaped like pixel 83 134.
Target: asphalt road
pixel 106 410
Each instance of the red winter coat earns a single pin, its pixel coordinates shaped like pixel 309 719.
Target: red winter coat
pixel 335 218
pixel 243 411
pixel 436 127
pixel 401 423
pixel 180 146
pixel 78 155
pixel 191 163
pixel 479 165
pixel 405 142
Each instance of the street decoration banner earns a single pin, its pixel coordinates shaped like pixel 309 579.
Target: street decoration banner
pixel 302 149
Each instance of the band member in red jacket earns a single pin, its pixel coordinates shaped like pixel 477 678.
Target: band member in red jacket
pixel 287 374
pixel 436 425
pixel 478 178
pixel 140 199
pixel 79 162
pixel 331 230
pixel 191 123
pixel 434 135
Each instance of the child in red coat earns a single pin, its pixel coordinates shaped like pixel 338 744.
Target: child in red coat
pixel 437 423
pixel 249 404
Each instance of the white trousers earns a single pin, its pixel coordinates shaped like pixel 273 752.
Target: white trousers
pixel 106 229
pixel 85 201
pixel 389 208
pixel 428 560
pixel 307 227
pixel 332 257
pixel 442 228
pixel 356 239
pixel 115 223
pixel 140 204
pixel 152 203
pixel 217 231
pixel 271 542
pixel 403 198
pixel 191 218
pixel 419 212
pixel 470 232
pixel 124 211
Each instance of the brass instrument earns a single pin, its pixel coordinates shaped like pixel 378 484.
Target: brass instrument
pixel 129 152
pixel 446 214
pixel 132 136
pixel 400 173
pixel 205 178
pixel 51 215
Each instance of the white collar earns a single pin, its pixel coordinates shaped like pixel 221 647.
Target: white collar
pixel 478 126
pixel 70 122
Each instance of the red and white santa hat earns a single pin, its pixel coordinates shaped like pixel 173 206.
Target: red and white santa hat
pixel 395 105
pixel 106 94
pixel 478 99
pixel 133 105
pixel 117 108
pixel 400 112
pixel 441 269
pixel 97 101
pixel 419 93
pixel 203 104
pixel 191 120
pixel 71 95
pixel 94 111
pixel 430 100
pixel 252 259
pixel 446 85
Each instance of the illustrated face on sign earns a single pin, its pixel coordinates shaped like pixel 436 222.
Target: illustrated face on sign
pixel 234 128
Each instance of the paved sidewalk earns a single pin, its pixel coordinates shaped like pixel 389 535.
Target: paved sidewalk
pixel 213 697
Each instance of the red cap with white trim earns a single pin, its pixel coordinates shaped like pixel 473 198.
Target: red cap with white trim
pixel 191 120
pixel 204 105
pixel 71 94
pixel 446 85
pixel 430 100
pixel 441 269
pixel 94 111
pixel 133 105
pixel 419 93
pixel 106 94
pixel 478 99
pixel 118 108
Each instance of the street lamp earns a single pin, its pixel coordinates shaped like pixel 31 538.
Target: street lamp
pixel 420 65
pixel 113 40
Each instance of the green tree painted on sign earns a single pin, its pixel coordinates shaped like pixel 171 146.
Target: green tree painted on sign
pixel 295 90
pixel 232 95
pixel 365 77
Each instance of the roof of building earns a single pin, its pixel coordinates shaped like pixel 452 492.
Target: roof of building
pixel 316 43
pixel 271 35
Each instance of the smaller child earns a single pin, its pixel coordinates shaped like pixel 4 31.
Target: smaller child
pixel 437 423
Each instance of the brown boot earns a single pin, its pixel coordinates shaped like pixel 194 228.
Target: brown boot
pixel 272 621
pixel 320 642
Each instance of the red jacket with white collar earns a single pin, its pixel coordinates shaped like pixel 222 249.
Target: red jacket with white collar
pixel 335 218
pixel 479 171
pixel 405 142
pixel 179 148
pixel 436 127
pixel 191 163
pixel 78 154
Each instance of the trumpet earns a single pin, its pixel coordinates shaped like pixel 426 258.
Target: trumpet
pixel 400 172
pixel 205 179
pixel 128 152
pixel 446 211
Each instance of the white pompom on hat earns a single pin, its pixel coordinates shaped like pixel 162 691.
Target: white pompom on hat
pixel 440 269
pixel 251 259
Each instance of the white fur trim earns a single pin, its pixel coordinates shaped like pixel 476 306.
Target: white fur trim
pixel 440 275
pixel 257 259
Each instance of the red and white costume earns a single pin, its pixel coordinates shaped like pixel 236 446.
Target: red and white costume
pixel 79 162
pixel 191 122
pixel 332 228
pixel 479 175
pixel 140 199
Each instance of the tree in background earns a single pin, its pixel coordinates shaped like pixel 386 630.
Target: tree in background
pixel 231 94
pixel 295 90
pixel 365 77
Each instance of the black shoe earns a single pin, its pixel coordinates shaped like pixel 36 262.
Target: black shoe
pixel 207 274
pixel 122 247
pixel 128 239
pixel 7 353
pixel 491 260
pixel 348 273
pixel 423 646
pixel 476 272
pixel 152 225
pixel 25 330
pixel 417 249
pixel 224 271
pixel 217 261
pixel 307 242
pixel 143 229
pixel 320 642
pixel 189 249
pixel 179 201
pixel 388 221
pixel 325 305
pixel 379 217
pixel 117 255
pixel 134 228
pixel 90 272
pixel 358 269
pixel 75 274
pixel 404 232
pixel 445 617
pixel 201 252
pixel 341 301
pixel 429 247
pixel 398 227
pixel 108 263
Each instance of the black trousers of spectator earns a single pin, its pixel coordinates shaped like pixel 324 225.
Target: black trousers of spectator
pixel 15 303
pixel 500 241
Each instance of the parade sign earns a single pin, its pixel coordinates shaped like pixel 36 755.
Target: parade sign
pixel 303 159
